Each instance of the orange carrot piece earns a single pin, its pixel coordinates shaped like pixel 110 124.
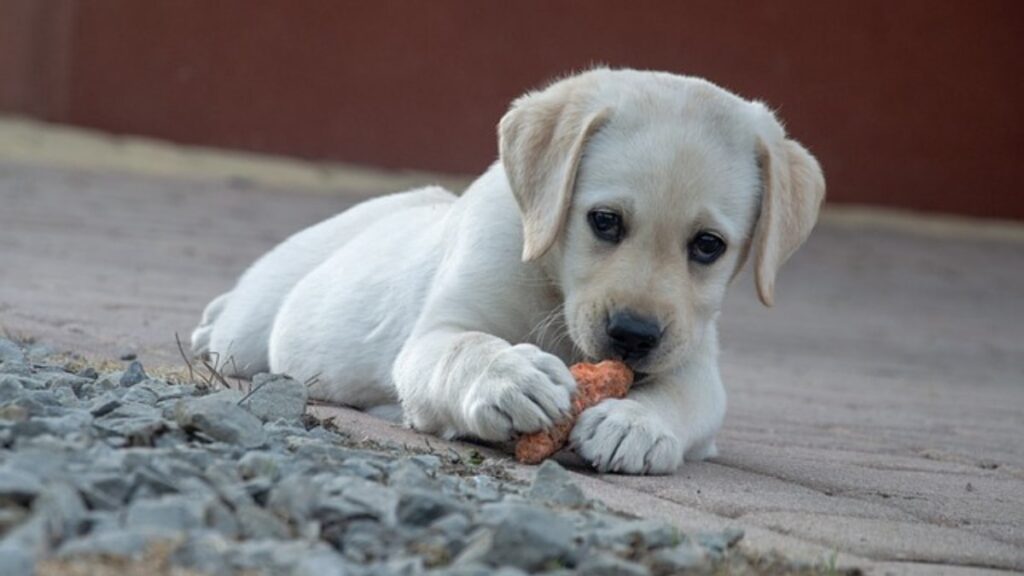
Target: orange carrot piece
pixel 594 383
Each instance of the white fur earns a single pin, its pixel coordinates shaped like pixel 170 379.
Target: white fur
pixel 445 305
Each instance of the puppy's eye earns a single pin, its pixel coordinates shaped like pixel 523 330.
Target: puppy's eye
pixel 607 225
pixel 705 248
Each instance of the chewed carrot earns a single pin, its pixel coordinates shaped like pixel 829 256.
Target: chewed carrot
pixel 594 383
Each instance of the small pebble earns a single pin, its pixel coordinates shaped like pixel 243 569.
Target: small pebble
pixel 553 485
pixel 276 397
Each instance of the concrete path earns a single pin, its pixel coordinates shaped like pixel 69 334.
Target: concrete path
pixel 877 412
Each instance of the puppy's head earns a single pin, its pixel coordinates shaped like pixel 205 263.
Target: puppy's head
pixel 642 193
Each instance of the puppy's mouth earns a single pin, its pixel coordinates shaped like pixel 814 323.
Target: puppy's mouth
pixel 640 379
pixel 640 376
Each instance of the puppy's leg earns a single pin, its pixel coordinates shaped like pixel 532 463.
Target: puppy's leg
pixel 462 383
pixel 201 335
pixel 651 430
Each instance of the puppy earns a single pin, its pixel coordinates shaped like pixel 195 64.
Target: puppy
pixel 623 204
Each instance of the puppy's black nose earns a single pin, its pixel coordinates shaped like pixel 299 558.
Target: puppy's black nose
pixel 632 336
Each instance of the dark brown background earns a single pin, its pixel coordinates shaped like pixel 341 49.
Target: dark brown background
pixel 912 103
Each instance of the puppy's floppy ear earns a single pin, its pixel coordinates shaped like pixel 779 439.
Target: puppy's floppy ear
pixel 541 139
pixel 793 189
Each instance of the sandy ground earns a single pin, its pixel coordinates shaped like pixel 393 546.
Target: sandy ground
pixel 876 412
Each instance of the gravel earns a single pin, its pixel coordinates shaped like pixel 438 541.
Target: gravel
pixel 276 397
pixel 219 417
pixel 117 467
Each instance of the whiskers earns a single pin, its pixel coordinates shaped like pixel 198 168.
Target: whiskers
pixel 552 333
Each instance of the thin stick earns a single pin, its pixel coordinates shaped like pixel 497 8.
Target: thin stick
pixel 214 373
pixel 181 350
pixel 253 391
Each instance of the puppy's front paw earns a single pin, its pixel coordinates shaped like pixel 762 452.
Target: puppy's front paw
pixel 621 436
pixel 523 390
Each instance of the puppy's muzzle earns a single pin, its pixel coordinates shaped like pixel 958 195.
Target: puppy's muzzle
pixel 632 337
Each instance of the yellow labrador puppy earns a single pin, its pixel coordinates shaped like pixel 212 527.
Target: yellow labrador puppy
pixel 623 204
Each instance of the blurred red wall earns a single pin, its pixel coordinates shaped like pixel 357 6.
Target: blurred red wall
pixel 914 103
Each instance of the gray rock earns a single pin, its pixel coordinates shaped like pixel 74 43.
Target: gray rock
pixel 171 512
pixel 466 569
pixel 608 564
pixel 510 571
pixel 105 491
pixel 66 396
pixel 363 541
pixel 70 423
pixel 62 509
pixel 276 397
pixel 260 464
pixel 121 542
pixel 224 476
pixel 41 462
pixel 552 484
pixel 11 412
pixel 221 419
pixel 372 499
pixel 141 394
pixel 453 526
pixel 11 353
pixel 397 567
pixel 15 561
pixel 16 369
pixel 282 430
pixel 132 375
pixel 203 551
pixel 101 521
pixel 200 457
pixel 257 489
pixel 322 562
pixel 152 482
pixel 104 404
pixel 482 488
pixel 314 449
pixel 57 380
pixel 418 507
pixel 29 428
pixel 30 537
pixel 520 535
pixel 634 535
pixel 105 383
pixel 39 352
pixel 228 395
pixel 675 559
pixel 716 543
pixel 88 373
pixel 19 486
pixel 38 403
pixel 138 423
pixel 273 556
pixel 430 463
pixel 11 388
pixel 11 516
pixel 294 498
pixel 222 519
pixel 362 468
pixel 408 474
pixel 339 511
pixel 255 523
pixel 61 450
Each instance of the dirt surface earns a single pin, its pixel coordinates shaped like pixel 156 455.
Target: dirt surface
pixel 876 412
